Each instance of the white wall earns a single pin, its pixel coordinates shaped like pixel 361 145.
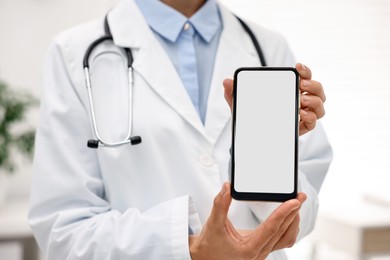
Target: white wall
pixel 26 29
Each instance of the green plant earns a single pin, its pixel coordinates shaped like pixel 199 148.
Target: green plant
pixel 13 108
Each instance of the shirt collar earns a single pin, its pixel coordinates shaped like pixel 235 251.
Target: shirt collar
pixel 168 22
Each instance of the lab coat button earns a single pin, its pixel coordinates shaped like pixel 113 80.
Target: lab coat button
pixel 206 160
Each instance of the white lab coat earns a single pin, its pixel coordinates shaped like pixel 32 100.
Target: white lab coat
pixel 138 202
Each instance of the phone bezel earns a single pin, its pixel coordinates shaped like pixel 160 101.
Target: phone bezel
pixel 279 197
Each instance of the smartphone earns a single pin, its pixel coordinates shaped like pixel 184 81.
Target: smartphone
pixel 265 122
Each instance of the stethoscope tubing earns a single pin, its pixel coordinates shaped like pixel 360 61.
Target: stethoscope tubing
pixel 100 142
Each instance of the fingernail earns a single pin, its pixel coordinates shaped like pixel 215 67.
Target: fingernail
pixel 303 67
pixel 223 191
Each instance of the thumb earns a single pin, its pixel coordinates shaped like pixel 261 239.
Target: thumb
pixel 221 205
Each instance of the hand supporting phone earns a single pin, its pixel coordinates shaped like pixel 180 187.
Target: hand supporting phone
pixel 265 134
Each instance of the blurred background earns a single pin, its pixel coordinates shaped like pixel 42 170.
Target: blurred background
pixel 346 43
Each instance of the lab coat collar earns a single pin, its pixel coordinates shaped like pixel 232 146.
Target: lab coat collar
pixel 127 25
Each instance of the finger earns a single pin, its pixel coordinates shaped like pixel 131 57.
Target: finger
pixel 221 206
pixel 301 197
pixel 289 230
pixel 304 71
pixel 228 85
pixel 308 121
pixel 268 248
pixel 289 237
pixel 313 88
pixel 314 104
pixel 271 245
pixel 270 227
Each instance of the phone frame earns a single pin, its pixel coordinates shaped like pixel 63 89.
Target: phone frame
pixel 265 196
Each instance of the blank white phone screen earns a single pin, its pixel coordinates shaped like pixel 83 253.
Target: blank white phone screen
pixel 265 131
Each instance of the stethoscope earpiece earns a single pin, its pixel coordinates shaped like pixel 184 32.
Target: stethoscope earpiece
pixel 93 143
pixel 135 140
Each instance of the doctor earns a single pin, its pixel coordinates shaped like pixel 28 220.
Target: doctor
pixel 162 198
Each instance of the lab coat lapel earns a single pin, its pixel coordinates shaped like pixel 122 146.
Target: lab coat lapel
pixel 129 29
pixel 232 54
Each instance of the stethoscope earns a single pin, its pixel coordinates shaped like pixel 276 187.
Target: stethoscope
pixel 133 140
pixel 99 141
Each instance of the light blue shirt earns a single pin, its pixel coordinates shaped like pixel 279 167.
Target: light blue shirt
pixel 193 60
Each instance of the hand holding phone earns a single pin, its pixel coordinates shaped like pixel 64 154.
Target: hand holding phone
pixel 265 134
